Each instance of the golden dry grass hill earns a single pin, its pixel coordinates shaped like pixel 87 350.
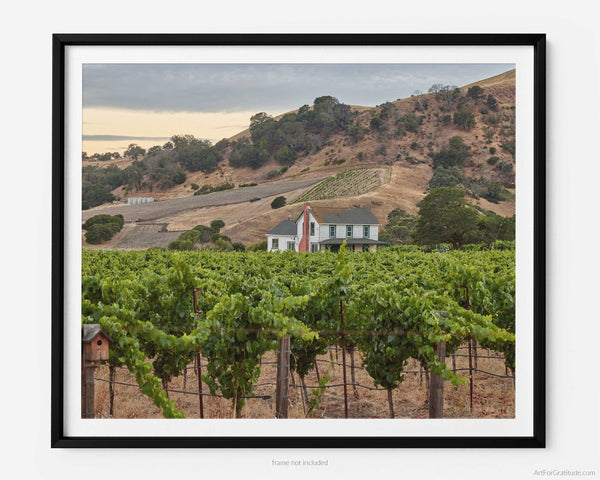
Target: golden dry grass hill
pixel 388 152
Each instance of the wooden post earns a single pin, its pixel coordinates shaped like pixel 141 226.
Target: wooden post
pixel 470 373
pixel 111 389
pixel 283 378
pixel 436 388
pixel 390 402
pixel 352 374
pixel 199 376
pixel 343 335
pixel 87 391
pixel 94 350
pixel 453 363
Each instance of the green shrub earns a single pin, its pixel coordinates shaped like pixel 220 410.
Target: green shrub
pixel 217 225
pixel 454 155
pixel 205 189
pixel 509 147
pixel 194 186
pixel 278 202
pixel 260 246
pixel 94 195
pixel 193 236
pixel 475 92
pixel 446 177
pixel 100 232
pixel 285 156
pixel 376 123
pixel 181 245
pixel 492 160
pixel 492 150
pixel 464 119
pixel 239 247
pixel 492 103
pixel 178 177
pixel 446 119
pixel 205 233
pixel 104 219
pixel 223 245
pixel 410 122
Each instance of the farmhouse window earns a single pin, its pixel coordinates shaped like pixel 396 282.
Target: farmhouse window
pixel 291 246
pixel 312 229
pixel 275 245
pixel 366 231
pixel 349 230
pixel 332 231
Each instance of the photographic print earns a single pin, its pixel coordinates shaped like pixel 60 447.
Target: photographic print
pixel 293 242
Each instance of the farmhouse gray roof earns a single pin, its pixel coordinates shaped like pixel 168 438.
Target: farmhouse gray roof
pixel 349 216
pixel 287 227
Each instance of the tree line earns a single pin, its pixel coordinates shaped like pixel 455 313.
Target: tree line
pixel 445 216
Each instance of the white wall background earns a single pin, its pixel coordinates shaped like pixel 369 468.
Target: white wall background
pixel 573 103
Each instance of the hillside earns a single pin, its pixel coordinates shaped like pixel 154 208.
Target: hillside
pixel 398 139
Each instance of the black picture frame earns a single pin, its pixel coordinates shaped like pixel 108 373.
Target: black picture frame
pixel 61 42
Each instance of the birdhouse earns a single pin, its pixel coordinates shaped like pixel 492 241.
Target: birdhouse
pixel 94 344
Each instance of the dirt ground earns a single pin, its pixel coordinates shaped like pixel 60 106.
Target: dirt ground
pixel 493 397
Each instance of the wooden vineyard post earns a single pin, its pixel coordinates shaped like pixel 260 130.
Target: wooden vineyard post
pixel 94 349
pixel 87 391
pixel 198 357
pixel 470 373
pixel 467 306
pixel 453 363
pixel 352 374
pixel 436 386
pixel 343 335
pixel 283 378
pixel 199 375
pixel 112 370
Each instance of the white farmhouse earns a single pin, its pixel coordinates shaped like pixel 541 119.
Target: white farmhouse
pixel 326 229
pixel 283 237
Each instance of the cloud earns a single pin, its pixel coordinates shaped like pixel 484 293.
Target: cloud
pixel 264 87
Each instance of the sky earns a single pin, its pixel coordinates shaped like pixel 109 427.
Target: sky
pixel 148 103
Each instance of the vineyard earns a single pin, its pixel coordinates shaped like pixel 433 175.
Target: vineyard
pixel 349 183
pixel 384 314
